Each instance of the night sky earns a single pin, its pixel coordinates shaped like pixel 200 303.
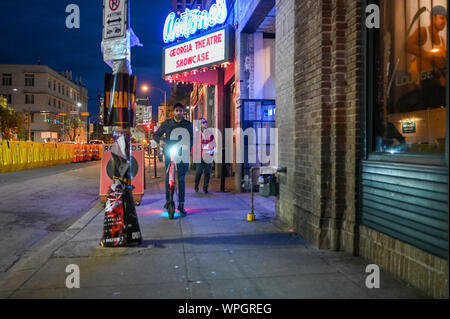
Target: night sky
pixel 30 29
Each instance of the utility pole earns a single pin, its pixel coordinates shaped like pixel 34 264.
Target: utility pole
pixel 121 116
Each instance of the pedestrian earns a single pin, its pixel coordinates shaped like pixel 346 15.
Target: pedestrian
pixel 178 121
pixel 208 147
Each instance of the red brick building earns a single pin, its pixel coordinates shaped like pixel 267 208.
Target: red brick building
pixel 356 181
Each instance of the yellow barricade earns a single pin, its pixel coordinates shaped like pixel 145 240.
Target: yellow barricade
pixel 33 155
pixel 70 152
pixel 15 155
pixel 5 157
pixel 29 156
pixel 2 164
pixel 23 156
pixel 58 154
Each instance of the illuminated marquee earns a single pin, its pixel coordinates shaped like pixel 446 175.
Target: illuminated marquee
pixel 190 21
pixel 202 51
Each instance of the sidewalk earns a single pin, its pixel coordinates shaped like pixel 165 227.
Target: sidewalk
pixel 213 252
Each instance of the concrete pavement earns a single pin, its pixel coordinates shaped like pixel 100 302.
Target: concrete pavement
pixel 213 252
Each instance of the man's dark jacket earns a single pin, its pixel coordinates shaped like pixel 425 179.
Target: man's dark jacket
pixel 167 127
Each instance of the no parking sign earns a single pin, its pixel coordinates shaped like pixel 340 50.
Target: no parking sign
pixel 137 171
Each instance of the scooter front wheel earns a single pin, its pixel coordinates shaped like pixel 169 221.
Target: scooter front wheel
pixel 171 210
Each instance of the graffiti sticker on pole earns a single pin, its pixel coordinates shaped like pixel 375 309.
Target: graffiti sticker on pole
pixel 115 18
pixel 137 169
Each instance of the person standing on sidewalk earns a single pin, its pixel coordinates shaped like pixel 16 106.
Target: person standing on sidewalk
pixel 208 146
pixel 178 121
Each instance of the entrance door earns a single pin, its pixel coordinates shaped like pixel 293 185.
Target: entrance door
pixel 256 114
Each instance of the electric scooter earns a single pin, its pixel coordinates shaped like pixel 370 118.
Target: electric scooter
pixel 171 169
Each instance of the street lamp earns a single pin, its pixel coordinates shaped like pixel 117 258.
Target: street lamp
pixel 145 88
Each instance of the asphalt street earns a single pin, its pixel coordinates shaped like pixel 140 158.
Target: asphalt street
pixel 38 204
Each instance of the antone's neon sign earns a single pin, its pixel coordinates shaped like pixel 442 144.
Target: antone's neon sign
pixel 190 21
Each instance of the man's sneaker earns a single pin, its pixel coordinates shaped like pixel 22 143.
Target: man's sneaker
pixel 181 209
pixel 205 190
pixel 196 189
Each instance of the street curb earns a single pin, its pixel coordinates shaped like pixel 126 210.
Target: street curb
pixel 27 267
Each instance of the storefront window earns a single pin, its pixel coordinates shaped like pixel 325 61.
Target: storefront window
pixel 409 113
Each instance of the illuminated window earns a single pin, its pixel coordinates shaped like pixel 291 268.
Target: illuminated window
pixel 409 103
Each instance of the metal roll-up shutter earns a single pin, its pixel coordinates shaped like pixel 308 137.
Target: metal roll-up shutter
pixel 407 202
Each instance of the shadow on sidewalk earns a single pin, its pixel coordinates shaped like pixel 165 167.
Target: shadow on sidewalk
pixel 266 239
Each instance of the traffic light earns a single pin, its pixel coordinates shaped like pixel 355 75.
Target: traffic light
pixel 148 126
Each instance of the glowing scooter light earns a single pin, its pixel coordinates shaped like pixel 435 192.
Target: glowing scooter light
pixel 191 21
pixel 173 151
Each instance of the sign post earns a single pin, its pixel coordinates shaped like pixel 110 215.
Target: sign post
pixel 115 19
pixel 121 226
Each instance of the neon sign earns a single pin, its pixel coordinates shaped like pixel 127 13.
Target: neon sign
pixel 190 21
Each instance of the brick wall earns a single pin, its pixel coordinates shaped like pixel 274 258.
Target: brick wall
pixel 320 141
pixel 353 49
pixel 312 121
pixel 323 164
pixel 284 82
pixel 421 270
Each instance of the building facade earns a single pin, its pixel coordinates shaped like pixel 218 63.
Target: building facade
pixel 181 5
pixel 362 123
pixel 366 150
pixel 48 97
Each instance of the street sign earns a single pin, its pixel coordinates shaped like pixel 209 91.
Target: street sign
pixel 147 118
pixel 84 113
pixel 161 114
pixel 74 112
pixel 115 19
pixel 138 170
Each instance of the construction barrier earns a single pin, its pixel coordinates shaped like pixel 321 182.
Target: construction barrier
pixel 15 156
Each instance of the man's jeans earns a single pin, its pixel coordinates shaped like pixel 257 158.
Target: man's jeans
pixel 182 168
pixel 200 167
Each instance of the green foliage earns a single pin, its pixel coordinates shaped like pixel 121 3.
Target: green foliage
pixel 71 124
pixel 11 122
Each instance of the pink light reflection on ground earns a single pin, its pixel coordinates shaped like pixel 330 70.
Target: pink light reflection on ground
pixel 153 211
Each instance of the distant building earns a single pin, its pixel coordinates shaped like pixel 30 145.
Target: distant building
pixel 141 103
pixel 181 5
pixel 46 95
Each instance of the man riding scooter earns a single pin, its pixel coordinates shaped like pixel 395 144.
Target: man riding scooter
pixel 177 122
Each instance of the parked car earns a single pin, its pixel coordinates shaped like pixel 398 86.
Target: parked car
pixel 96 142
